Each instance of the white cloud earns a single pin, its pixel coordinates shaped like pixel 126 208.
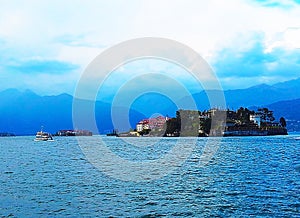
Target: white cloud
pixel 76 31
pixel 205 25
pixel 292 37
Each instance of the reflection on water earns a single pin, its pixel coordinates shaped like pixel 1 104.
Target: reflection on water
pixel 256 176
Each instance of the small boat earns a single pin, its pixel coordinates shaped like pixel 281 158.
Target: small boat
pixel 43 136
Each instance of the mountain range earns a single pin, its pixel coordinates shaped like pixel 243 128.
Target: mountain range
pixel 260 95
pixel 23 113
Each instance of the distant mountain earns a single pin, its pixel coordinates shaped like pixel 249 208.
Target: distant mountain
pixel 290 111
pixel 153 103
pixel 291 85
pixel 23 113
pixel 263 94
pixel 283 98
pixel 256 95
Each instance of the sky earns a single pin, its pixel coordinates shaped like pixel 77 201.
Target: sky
pixel 45 46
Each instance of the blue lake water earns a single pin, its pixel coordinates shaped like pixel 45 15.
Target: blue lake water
pixel 247 176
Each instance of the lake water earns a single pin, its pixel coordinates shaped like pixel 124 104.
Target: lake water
pixel 247 176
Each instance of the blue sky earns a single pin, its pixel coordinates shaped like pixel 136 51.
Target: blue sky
pixel 46 45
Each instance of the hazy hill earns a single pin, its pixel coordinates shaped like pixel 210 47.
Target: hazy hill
pixel 24 113
pixel 263 94
pixel 290 110
pixel 257 95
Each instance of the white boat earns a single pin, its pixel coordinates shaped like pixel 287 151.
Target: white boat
pixel 43 136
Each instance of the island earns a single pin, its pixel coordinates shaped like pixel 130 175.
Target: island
pixel 73 133
pixel 6 134
pixel 212 122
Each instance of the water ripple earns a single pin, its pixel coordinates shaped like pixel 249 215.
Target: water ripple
pixel 248 176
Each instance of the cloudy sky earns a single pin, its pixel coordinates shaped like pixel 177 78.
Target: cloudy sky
pixel 46 45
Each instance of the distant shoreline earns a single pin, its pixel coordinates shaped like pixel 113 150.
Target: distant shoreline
pixel 294 133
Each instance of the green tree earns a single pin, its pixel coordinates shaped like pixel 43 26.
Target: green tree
pixel 178 120
pixel 282 122
pixel 205 125
pixel 172 126
pixel 145 131
pixel 243 115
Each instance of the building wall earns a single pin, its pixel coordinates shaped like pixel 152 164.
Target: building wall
pixel 256 119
